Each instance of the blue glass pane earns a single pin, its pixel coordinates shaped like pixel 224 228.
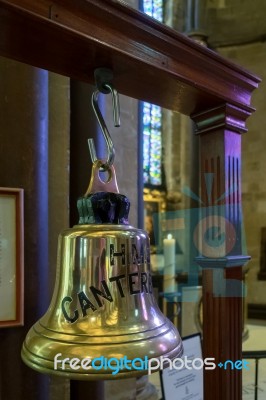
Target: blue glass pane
pixel 154 8
pixel 152 119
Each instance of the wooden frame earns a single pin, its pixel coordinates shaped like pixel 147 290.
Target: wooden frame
pixel 151 207
pixel 154 63
pixel 154 205
pixel 150 61
pixel 11 257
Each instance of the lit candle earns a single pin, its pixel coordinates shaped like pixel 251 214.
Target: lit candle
pixel 169 264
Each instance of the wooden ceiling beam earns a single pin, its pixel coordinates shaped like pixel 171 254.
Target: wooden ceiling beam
pixel 150 61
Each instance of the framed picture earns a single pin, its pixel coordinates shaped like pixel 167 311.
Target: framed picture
pixel 11 257
pixel 153 206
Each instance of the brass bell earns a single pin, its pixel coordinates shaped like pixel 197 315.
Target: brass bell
pixel 103 302
pixel 103 308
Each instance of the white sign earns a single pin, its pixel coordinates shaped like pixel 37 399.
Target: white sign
pixel 185 383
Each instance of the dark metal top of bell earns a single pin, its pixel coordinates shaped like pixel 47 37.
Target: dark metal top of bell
pixel 103 208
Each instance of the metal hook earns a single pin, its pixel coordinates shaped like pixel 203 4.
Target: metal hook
pixel 116 114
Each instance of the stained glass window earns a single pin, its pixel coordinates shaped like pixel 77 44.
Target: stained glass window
pixel 152 144
pixel 152 119
pixel 154 8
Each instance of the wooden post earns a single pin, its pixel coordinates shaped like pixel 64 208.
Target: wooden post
pixel 262 271
pixel 220 244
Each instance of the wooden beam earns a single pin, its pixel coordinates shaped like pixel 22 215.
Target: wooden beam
pixel 150 61
pixel 220 233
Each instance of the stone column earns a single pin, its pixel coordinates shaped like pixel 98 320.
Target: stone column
pixel 220 245
pixel 24 164
pixel 59 125
pixel 83 126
